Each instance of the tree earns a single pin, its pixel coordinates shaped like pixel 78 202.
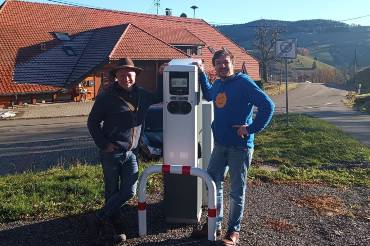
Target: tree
pixel 264 42
pixel 314 65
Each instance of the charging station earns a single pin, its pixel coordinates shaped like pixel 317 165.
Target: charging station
pixel 182 138
pixel 185 129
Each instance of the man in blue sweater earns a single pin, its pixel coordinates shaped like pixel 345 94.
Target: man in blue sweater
pixel 234 96
pixel 115 123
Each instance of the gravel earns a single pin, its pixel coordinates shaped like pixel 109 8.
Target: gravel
pixel 276 214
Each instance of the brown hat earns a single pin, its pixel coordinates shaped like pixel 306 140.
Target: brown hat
pixel 125 63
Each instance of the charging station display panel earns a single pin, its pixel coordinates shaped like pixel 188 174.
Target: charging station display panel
pixel 179 83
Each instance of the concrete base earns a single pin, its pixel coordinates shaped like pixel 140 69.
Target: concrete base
pixel 182 198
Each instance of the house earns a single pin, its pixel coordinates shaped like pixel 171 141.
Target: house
pixel 51 52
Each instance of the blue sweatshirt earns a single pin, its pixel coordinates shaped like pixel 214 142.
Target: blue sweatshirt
pixel 233 102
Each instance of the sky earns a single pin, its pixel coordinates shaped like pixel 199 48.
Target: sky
pixel 242 11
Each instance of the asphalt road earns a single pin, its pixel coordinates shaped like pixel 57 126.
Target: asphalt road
pixel 37 144
pixel 326 102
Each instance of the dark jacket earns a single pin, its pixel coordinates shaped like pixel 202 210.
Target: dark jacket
pixel 114 119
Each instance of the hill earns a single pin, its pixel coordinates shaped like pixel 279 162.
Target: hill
pixel 331 42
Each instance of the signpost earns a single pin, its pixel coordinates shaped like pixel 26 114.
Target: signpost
pixel 286 49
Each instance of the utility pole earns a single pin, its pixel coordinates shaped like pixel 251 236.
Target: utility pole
pixel 157 3
pixel 194 8
pixel 355 67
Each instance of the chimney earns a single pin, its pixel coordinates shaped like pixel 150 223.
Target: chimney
pixel 168 12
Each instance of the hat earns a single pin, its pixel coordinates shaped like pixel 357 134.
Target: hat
pixel 125 63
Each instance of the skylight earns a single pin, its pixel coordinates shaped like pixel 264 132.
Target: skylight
pixel 62 36
pixel 68 50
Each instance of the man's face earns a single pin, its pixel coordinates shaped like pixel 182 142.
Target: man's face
pixel 126 78
pixel 224 67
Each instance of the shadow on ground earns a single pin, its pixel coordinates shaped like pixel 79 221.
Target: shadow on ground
pixel 74 230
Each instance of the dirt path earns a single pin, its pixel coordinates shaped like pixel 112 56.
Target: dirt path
pixel 276 214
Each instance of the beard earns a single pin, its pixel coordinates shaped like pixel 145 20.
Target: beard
pixel 224 73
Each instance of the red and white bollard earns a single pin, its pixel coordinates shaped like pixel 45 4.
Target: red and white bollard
pixel 184 170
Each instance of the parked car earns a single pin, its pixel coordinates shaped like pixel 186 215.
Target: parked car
pixel 151 142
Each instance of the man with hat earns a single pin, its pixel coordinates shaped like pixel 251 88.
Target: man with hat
pixel 115 123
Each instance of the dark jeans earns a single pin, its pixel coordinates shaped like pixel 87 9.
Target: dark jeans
pixel 120 180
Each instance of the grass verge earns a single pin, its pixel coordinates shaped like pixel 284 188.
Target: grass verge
pixel 57 192
pixel 310 150
pixel 362 102
pixel 273 89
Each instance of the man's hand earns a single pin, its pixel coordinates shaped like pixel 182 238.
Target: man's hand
pixel 242 130
pixel 110 148
pixel 200 66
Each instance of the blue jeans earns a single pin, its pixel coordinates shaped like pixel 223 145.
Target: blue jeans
pixel 120 170
pixel 238 161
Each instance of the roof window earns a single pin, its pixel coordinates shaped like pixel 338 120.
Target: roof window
pixel 68 50
pixel 62 36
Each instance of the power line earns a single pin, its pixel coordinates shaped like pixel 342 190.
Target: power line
pixel 157 3
pixel 356 18
pixel 73 4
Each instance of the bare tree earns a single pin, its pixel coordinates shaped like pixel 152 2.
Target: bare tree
pixel 264 42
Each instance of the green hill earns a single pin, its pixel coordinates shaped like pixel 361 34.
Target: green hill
pixel 328 41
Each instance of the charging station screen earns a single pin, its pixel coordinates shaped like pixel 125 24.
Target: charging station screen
pixel 179 83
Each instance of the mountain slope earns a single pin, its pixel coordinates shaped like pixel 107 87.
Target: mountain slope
pixel 331 42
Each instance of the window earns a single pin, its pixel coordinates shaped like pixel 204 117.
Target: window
pixel 62 36
pixel 69 51
pixel 190 50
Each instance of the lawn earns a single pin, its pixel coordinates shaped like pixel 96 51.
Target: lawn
pixel 362 102
pixel 309 150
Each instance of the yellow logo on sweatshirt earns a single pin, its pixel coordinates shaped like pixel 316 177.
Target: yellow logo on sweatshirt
pixel 221 99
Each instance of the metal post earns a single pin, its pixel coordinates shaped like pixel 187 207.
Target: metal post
pixel 185 171
pixel 286 92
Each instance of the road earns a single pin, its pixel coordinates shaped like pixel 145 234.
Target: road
pixel 37 144
pixel 40 143
pixel 326 103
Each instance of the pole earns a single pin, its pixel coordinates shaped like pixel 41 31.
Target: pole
pixel 286 92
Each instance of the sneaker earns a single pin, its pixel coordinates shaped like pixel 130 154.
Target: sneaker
pixel 231 239
pixel 202 232
pixel 107 231
pixel 119 238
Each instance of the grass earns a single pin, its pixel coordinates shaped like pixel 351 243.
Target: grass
pixel 273 89
pixel 358 102
pixel 56 192
pixel 362 102
pixel 309 150
pixel 307 142
pixel 305 63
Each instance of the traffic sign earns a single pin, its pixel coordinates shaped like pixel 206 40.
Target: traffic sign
pixel 286 48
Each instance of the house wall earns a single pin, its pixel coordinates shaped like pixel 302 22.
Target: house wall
pixel 88 88
pixel 5 102
pixel 147 78
pixel 9 101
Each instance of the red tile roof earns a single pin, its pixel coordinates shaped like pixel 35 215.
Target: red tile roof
pixel 140 45
pixel 175 36
pixel 26 24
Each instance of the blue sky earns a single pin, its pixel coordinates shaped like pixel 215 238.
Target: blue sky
pixel 242 11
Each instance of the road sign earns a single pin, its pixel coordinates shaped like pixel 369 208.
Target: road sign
pixel 286 48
